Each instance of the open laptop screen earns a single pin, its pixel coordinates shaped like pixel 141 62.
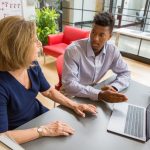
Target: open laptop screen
pixel 8 144
pixel 148 123
pixel 4 146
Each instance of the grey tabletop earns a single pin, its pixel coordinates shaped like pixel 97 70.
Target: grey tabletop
pixel 90 132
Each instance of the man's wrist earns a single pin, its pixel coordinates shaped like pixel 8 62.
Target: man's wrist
pixel 100 95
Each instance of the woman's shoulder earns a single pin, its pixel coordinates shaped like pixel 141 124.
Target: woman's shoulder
pixel 3 77
pixel 35 63
pixel 2 74
pixel 34 68
pixel 3 84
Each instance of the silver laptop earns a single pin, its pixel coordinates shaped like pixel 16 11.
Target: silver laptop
pixel 131 121
pixel 6 143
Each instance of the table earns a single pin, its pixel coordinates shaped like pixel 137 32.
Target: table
pixel 91 132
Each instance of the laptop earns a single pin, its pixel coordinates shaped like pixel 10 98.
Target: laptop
pixel 131 121
pixel 7 143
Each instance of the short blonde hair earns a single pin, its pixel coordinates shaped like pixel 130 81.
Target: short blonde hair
pixel 16 40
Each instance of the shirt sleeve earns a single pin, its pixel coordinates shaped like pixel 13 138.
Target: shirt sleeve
pixel 70 77
pixel 3 110
pixel 44 85
pixel 120 68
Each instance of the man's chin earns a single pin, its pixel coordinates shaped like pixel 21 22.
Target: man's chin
pixel 95 49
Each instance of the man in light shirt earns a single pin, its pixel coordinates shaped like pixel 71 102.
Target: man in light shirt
pixel 86 61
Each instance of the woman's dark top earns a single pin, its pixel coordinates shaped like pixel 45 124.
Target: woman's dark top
pixel 19 105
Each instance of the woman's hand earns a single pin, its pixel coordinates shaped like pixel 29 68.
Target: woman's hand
pixel 57 128
pixel 81 109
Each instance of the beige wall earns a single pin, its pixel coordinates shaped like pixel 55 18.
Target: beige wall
pixel 99 5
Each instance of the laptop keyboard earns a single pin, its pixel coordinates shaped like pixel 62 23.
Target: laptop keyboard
pixel 134 121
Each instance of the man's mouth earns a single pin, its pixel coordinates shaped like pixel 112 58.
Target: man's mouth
pixel 95 45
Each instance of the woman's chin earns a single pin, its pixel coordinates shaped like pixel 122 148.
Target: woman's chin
pixel 34 58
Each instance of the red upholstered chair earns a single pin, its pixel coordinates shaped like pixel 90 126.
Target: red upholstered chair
pixel 59 67
pixel 57 43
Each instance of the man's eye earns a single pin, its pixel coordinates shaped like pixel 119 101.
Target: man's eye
pixel 101 35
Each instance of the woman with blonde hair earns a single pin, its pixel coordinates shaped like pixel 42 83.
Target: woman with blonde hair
pixel 21 79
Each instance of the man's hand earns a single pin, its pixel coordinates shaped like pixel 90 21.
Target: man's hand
pixel 108 87
pixel 81 109
pixel 111 96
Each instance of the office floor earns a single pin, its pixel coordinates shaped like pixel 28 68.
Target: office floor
pixel 140 72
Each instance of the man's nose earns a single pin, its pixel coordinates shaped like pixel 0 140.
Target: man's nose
pixel 96 38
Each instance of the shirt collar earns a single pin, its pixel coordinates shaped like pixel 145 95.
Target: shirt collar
pixel 90 52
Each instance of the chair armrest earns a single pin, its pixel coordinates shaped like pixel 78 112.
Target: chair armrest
pixel 55 38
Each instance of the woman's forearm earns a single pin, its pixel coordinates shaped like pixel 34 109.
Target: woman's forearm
pixel 59 98
pixel 51 129
pixel 23 136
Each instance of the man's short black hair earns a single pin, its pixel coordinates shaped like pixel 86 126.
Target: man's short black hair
pixel 104 19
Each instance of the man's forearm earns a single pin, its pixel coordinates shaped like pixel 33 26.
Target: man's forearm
pixel 121 82
pixel 79 90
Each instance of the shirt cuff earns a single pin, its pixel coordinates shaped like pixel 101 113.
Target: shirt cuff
pixel 117 86
pixel 114 88
pixel 93 95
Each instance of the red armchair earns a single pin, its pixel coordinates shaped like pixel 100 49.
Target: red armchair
pixel 57 43
pixel 59 67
